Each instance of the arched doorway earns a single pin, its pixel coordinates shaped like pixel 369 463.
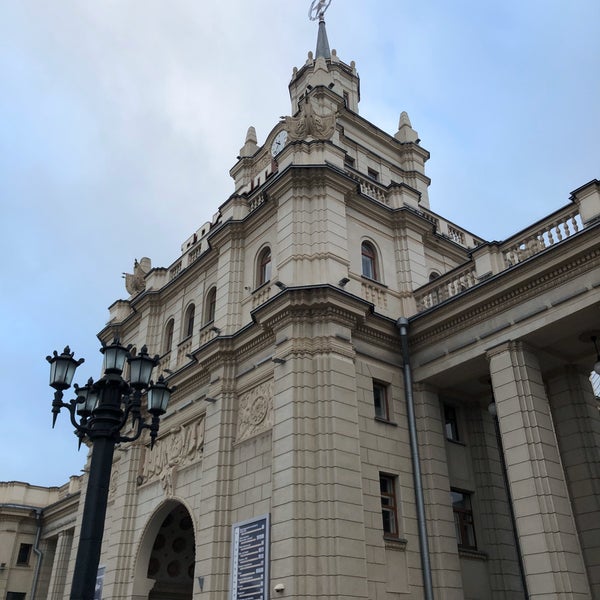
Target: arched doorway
pixel 167 557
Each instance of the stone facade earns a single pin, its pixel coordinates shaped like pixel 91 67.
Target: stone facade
pixel 295 398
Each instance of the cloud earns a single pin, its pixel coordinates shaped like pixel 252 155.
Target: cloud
pixel 121 120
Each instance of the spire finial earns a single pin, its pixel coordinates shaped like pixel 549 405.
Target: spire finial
pixel 317 11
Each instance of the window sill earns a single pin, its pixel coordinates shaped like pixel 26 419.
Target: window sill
pixel 457 442
pixel 385 421
pixel 261 286
pixel 472 553
pixel 394 543
pixel 375 281
pixel 185 339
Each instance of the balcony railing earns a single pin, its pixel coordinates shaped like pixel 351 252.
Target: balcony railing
pixel 527 243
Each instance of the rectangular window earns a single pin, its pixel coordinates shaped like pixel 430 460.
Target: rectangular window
pixel 463 519
pixel 451 423
pixel 389 505
pixel 380 400
pixel 15 595
pixel 373 174
pixel 24 554
pixel 349 161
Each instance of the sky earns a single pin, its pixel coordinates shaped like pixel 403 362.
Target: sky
pixel 120 120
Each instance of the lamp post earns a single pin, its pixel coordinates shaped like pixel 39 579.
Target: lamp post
pixel 103 409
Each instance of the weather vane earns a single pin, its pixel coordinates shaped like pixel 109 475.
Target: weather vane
pixel 317 9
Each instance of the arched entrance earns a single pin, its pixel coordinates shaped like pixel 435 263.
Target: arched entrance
pixel 165 569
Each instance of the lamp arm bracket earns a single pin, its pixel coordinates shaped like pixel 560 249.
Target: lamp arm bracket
pixel 71 406
pixel 136 435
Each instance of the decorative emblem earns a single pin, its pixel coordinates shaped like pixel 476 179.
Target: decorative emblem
pixel 255 411
pixel 308 123
pixel 135 283
pixel 317 9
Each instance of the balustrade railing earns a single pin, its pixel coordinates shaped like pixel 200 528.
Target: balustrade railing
pixel 260 296
pixel 444 287
pixel 369 187
pixel 374 293
pixel 542 235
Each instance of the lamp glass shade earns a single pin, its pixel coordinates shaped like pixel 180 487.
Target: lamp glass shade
pixel 90 399
pixel 158 397
pixel 140 369
pixel 62 370
pixel 115 356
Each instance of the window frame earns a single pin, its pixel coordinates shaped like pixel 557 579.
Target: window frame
pixel 384 406
pixel 210 305
pixel 452 430
pixel 264 266
pixel 368 253
pixel 190 316
pixel 464 522
pixel 168 335
pixel 24 555
pixel 391 508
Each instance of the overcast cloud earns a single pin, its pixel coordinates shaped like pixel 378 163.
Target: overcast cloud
pixel 119 122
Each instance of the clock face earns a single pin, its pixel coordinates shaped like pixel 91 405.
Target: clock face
pixel 278 143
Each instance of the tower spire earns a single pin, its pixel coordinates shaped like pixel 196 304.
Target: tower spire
pixel 322 41
pixel 317 11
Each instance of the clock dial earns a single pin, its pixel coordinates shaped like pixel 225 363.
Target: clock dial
pixel 278 143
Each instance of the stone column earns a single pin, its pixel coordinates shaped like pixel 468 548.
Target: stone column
pixel 577 422
pixel 494 509
pixel 318 535
pixel 552 557
pixel 56 587
pixel 445 563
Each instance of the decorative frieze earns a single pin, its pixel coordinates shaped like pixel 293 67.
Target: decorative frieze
pixel 179 448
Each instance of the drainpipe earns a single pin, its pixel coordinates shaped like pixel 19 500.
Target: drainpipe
pixel 38 552
pixel 402 324
pixel 40 555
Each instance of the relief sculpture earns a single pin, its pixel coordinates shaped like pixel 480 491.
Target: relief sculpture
pixel 255 411
pixel 180 447
pixel 309 123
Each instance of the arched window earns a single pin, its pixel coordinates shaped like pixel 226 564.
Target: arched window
pixel 433 275
pixel 210 305
pixel 263 267
pixel 168 336
pixel 189 320
pixel 369 261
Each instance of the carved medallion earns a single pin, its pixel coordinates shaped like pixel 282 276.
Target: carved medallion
pixel 255 411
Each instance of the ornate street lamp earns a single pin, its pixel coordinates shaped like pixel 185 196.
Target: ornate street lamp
pixel 103 408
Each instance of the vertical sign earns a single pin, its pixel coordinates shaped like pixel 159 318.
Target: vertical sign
pixel 250 559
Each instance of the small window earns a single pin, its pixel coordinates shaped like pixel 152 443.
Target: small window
pixel 168 337
pixel 210 305
pixel 433 275
pixel 369 261
pixel 463 519
pixel 346 99
pixel 15 595
pixel 373 174
pixel 451 423
pixel 349 161
pixel 389 505
pixel 189 320
pixel 263 267
pixel 24 554
pixel 380 400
